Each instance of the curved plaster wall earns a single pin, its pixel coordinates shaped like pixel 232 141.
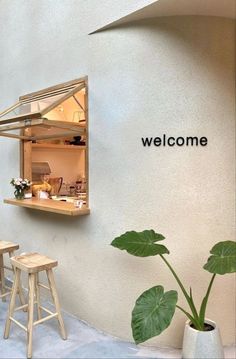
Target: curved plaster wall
pixel 161 8
pixel 172 75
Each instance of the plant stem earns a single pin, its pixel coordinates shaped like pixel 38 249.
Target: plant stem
pixel 188 298
pixel 210 285
pixel 204 302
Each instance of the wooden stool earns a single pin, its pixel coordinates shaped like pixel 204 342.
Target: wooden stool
pixel 7 247
pixel 33 263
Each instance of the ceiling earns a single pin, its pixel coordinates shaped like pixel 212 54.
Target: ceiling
pixel 222 8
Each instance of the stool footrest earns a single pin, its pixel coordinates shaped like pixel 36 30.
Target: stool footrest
pixel 43 286
pixel 46 310
pixel 52 315
pixel 5 294
pixel 45 319
pixel 18 323
pixel 21 307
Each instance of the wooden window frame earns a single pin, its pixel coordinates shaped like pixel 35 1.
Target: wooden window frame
pixel 68 129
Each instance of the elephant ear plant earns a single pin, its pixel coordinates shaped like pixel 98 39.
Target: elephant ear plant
pixel 154 309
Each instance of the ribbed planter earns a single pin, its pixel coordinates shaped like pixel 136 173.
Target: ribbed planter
pixel 202 345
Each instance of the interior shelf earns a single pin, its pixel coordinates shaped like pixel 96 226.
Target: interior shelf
pixel 58 146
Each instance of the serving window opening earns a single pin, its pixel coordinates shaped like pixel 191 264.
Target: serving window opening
pixel 52 126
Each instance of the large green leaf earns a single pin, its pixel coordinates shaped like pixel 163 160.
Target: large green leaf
pixel 141 244
pixel 223 259
pixel 153 313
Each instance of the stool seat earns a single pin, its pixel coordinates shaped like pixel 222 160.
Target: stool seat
pixel 7 247
pixel 33 262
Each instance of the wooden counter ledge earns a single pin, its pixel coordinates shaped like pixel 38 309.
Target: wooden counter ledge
pixel 48 205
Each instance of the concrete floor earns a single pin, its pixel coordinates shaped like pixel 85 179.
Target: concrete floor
pixel 83 342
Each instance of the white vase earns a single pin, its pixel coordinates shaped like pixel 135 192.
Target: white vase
pixel 202 345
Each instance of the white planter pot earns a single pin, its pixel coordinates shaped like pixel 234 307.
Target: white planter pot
pixel 202 345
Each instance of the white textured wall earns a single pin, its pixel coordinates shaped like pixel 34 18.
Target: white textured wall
pixel 172 75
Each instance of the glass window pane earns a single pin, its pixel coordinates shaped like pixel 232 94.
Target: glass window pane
pixel 31 107
pixel 68 111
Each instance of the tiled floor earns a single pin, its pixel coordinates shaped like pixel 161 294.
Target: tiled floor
pixel 83 342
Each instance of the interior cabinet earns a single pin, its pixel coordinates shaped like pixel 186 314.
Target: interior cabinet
pixel 52 126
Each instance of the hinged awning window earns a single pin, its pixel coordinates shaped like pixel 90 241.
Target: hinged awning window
pixel 47 109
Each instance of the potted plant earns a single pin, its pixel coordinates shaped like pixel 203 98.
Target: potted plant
pixel 154 309
pixel 21 186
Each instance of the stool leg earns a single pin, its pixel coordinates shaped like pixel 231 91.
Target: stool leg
pixel 2 276
pixel 12 302
pixel 53 290
pixel 37 291
pixel 30 314
pixel 20 292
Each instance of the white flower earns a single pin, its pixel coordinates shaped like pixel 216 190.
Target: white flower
pixel 20 183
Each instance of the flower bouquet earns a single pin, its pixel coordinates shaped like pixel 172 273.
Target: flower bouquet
pixel 21 185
